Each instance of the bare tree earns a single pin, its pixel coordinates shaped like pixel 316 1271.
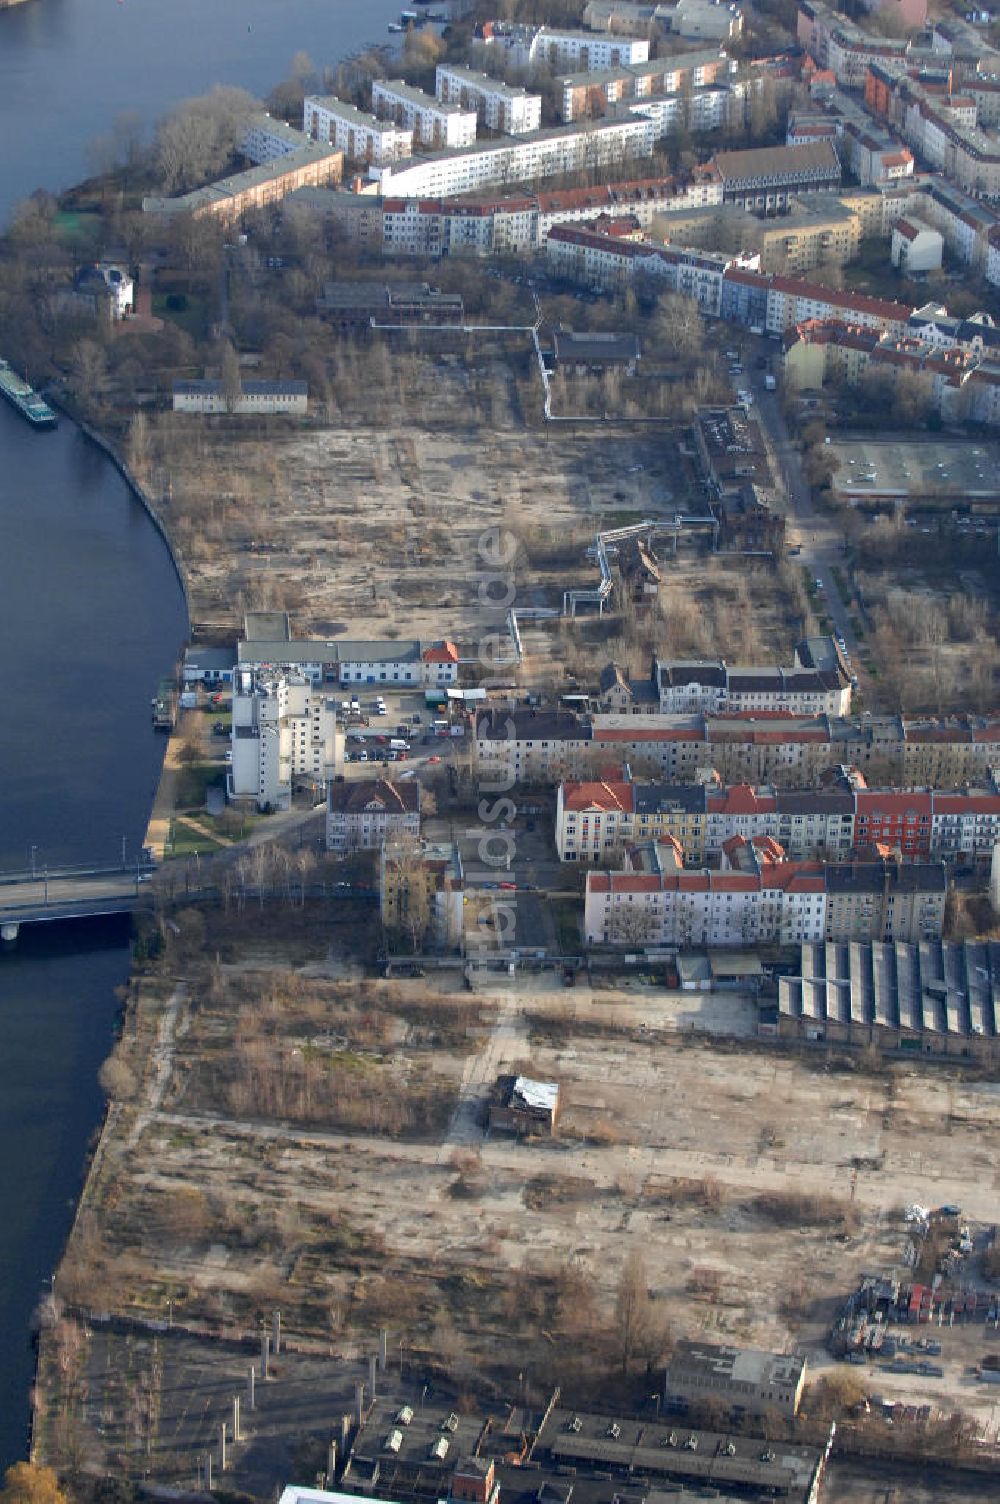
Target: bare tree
pixel 633 1314
pixel 197 140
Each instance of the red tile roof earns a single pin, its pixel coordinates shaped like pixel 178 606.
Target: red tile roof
pixel 441 652
pixel 600 797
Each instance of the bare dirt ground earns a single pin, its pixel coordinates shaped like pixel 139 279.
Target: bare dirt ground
pixel 317 1144
pixel 374 527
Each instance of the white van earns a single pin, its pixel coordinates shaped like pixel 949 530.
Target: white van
pixel 396 744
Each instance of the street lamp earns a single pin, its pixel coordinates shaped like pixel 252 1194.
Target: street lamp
pixel 34 853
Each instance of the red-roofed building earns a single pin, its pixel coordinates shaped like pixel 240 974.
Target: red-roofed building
pixel 593 820
pixel 764 900
pixel 439 663
pixel 901 820
pixel 759 897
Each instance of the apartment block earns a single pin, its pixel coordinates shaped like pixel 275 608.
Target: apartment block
pixel 284 730
pixel 363 813
pixel 499 106
pixel 361 137
pixel 590 93
pixel 433 123
pixel 597 819
pixel 759 896
pixel 885 900
pixel 268 138
pixel 421 892
pixel 549 153
pixel 601 258
pixel 313 166
pixel 776 303
pixel 791 751
pixel 583 50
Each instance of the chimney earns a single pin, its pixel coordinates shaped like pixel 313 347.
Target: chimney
pixel 383 1349
pixel 359 1404
pixel 372 1370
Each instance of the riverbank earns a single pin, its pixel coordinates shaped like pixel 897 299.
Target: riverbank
pixel 110 450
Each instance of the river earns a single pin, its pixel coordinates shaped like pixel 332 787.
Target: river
pixel 69 67
pixel 91 613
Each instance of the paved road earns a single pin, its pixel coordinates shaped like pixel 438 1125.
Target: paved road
pixel 64 895
pixel 816 534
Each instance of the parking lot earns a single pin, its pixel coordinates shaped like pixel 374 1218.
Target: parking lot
pixel 383 726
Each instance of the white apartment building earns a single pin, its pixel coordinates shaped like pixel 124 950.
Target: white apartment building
pixel 654 901
pixel 283 729
pixel 360 137
pixel 700 110
pixel 434 123
pixel 509 221
pixel 268 138
pixel 565 149
pixel 583 50
pixel 916 247
pixel 595 259
pixel 499 106
pixel 993 257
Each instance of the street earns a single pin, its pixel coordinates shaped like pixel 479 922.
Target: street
pixel 817 536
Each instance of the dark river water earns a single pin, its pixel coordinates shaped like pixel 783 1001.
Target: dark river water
pixel 91 613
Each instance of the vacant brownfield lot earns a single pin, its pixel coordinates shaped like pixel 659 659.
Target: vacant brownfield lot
pixel 315 1141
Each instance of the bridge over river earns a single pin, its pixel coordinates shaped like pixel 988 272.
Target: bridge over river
pixel 67 893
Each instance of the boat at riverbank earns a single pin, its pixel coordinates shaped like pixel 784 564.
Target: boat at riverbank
pixel 27 401
pixel 164 705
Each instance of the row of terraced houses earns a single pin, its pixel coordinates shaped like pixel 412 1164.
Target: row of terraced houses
pixel 538 746
pixel 758 896
pixel 598 819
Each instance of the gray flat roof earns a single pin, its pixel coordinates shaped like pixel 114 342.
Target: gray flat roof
pixel 418 97
pixel 329 650
pixel 349 113
pixel 486 83
pixel 211 658
pixel 664 1450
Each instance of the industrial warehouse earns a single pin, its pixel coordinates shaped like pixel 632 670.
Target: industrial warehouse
pixel 932 998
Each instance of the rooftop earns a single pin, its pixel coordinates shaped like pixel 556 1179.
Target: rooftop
pixel 351 114
pixel 320 650
pixel 378 795
pixel 643 1450
pixel 418 97
pixel 777 161
pixel 935 988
